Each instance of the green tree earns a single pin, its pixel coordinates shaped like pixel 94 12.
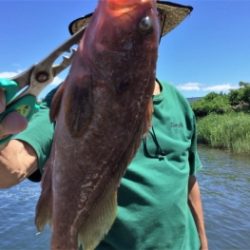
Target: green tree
pixel 244 84
pixel 212 103
pixel 239 99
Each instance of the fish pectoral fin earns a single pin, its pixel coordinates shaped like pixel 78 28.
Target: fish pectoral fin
pixel 79 106
pixel 56 103
pixel 42 217
pixel 44 204
pixel 100 220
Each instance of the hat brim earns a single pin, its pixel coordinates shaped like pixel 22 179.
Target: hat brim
pixel 174 14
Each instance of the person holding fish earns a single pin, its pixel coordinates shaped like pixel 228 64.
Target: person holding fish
pixel 116 147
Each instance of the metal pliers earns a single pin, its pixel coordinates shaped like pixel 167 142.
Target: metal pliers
pixel 22 90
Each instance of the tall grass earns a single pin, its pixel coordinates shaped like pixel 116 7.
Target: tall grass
pixel 229 131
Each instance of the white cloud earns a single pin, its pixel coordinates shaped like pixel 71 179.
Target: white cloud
pixel 190 86
pixel 221 87
pixel 9 74
pixel 201 87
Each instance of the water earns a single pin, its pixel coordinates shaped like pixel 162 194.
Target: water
pixel 225 187
pixel 17 229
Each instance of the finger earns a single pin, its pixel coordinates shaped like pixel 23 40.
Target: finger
pixel 2 101
pixel 13 123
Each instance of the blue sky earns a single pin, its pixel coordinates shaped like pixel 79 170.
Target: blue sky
pixel 209 51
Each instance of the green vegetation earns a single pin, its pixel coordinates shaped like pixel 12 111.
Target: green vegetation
pixel 212 103
pixel 240 98
pixel 224 119
pixel 228 131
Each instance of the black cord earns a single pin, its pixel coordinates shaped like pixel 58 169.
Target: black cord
pixel 159 153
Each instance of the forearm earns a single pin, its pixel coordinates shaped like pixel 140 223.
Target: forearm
pixel 195 204
pixel 17 161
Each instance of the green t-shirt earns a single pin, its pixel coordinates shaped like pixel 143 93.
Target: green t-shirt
pixel 153 212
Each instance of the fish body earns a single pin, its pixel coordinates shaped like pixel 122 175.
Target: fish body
pixel 102 111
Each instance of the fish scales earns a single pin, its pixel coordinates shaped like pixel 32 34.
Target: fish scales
pixel 102 111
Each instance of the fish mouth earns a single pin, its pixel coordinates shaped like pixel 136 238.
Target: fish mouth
pixel 120 7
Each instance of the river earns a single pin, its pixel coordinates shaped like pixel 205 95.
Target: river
pixel 225 188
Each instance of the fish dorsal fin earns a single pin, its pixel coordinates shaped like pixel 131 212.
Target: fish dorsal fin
pixel 79 106
pixel 56 103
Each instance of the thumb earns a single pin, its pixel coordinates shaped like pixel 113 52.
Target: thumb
pixel 13 123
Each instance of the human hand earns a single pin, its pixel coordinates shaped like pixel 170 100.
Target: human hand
pixel 12 123
pixel 204 242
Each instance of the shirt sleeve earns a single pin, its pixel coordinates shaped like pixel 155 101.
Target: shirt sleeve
pixel 194 159
pixel 39 134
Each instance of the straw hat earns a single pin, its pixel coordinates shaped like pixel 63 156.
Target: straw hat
pixel 171 15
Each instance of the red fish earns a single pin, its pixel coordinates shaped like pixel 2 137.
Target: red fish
pixel 101 112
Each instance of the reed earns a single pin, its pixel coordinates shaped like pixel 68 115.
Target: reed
pixel 229 131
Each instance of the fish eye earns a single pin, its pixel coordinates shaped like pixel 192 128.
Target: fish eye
pixel 146 24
